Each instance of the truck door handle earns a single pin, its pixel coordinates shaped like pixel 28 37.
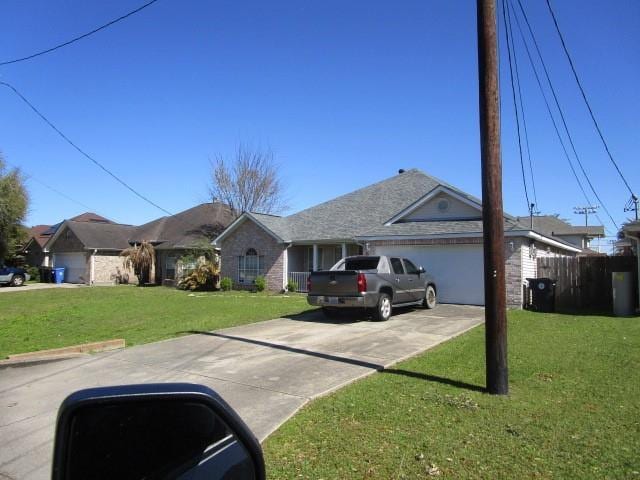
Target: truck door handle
pixel 398 280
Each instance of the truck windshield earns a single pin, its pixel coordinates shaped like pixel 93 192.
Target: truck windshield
pixel 362 263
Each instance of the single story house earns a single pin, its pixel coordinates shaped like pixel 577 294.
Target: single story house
pixel 32 249
pixel 90 251
pixel 39 235
pixel 631 232
pixel 578 235
pixel 412 214
pixel 181 234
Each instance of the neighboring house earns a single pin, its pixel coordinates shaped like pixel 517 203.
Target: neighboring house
pixel 90 251
pixel 411 215
pixel 181 234
pixel 553 225
pixel 39 235
pixel 631 232
pixel 32 250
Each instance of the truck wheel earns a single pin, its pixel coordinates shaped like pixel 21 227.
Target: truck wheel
pixel 430 300
pixel 331 313
pixel 383 310
pixel 17 281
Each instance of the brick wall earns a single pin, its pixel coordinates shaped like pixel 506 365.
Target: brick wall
pixel 246 236
pixel 107 266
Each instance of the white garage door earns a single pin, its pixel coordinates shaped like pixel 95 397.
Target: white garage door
pixel 457 269
pixel 75 265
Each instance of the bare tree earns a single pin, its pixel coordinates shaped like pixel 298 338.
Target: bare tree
pixel 249 182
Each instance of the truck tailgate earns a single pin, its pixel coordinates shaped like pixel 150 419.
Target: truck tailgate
pixel 334 283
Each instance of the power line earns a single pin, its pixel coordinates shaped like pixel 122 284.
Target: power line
pixel 584 96
pixel 515 103
pixel 73 40
pixel 85 154
pixel 546 102
pixel 564 122
pixel 29 176
pixel 524 122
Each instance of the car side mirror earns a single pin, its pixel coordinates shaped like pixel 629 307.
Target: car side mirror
pixel 421 270
pixel 153 431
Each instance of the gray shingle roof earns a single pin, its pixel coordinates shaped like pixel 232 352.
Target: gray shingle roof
pixel 364 212
pixel 355 213
pixel 101 236
pixel 552 225
pixel 185 229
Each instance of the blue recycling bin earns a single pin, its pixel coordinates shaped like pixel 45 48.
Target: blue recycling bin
pixel 58 275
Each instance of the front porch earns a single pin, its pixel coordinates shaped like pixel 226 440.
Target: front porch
pixel 302 259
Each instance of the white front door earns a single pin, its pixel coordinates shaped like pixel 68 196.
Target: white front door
pixel 75 266
pixel 457 269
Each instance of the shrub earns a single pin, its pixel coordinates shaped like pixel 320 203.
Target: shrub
pixel 292 286
pixel 226 284
pixel 33 272
pixel 260 283
pixel 204 277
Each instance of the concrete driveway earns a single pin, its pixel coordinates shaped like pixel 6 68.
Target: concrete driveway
pixel 266 371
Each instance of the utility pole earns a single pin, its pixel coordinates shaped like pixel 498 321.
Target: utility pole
pixel 586 210
pixel 632 205
pixel 492 214
pixel 532 212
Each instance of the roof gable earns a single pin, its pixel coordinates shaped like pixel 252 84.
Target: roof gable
pixel 441 203
pixel 271 224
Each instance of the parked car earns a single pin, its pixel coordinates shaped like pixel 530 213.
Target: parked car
pixel 377 283
pixel 14 276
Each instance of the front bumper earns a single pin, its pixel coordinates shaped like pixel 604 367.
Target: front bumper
pixel 360 301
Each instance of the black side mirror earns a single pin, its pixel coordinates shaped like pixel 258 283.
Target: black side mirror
pixel 153 431
pixel 421 270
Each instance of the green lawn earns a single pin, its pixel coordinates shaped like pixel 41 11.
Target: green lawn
pixel 42 319
pixel 573 411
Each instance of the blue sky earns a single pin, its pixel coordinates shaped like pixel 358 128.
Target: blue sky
pixel 344 93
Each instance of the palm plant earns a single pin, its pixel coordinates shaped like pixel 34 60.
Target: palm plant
pixel 140 258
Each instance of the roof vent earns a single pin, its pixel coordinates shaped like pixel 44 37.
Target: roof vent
pixel 401 170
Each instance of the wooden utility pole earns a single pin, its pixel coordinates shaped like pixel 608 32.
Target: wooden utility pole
pixel 492 214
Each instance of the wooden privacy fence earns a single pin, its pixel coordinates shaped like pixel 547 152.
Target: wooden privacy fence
pixel 584 283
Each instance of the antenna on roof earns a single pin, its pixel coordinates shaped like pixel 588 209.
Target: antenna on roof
pixel 401 171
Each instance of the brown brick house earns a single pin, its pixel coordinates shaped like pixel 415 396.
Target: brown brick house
pixel 412 214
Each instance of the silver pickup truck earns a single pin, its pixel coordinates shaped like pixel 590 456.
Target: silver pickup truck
pixel 377 283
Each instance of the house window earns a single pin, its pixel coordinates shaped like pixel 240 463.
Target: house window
pixel 170 268
pixel 250 266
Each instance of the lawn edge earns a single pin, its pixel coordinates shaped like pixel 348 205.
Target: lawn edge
pixel 385 366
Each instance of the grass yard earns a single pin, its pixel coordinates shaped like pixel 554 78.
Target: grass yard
pixel 573 411
pixel 51 318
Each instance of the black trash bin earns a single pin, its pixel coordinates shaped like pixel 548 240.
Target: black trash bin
pixel 543 293
pixel 45 274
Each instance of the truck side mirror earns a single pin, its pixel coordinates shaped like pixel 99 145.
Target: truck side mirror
pixel 421 270
pixel 154 431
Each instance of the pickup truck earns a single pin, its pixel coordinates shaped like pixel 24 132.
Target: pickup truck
pixel 375 283
pixel 14 276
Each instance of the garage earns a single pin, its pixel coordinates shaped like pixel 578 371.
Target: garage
pixel 75 265
pixel 457 269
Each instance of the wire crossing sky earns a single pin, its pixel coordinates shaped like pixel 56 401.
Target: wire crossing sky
pixel 344 93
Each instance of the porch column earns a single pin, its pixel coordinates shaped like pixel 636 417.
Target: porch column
pixel 315 258
pixel 344 250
